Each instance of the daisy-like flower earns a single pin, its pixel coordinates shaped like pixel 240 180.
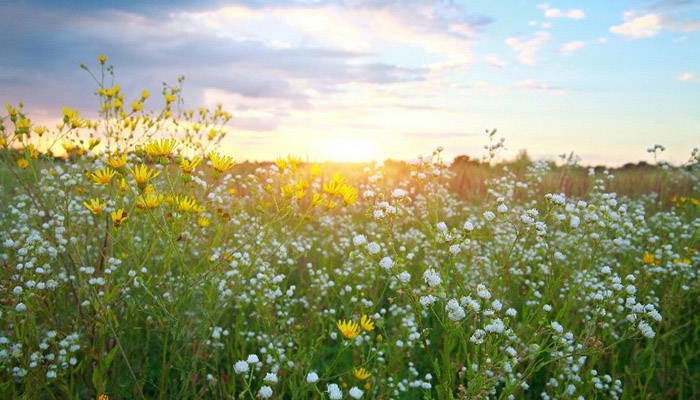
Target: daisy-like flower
pixel 187 204
pixel 203 222
pixel 102 176
pixel 366 323
pixel 221 163
pixel 161 148
pixel 22 163
pixel 95 206
pixel 117 161
pixel 118 217
pixel 349 329
pixel 150 200
pixel 188 165
pixel 361 373
pixel 142 174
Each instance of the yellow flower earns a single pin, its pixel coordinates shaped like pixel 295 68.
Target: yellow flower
pixel 318 200
pixel 118 217
pixel 136 105
pixel 648 258
pixel 142 174
pixel 187 204
pixel 123 185
pixel 169 98
pixel 367 323
pixel 102 58
pixel 117 161
pixel 221 163
pixel 188 165
pixel 349 329
pixel 348 193
pixel 145 94
pixel 361 373
pixel 150 200
pixel 315 170
pixel 102 176
pixel 95 206
pixel 40 130
pixel 161 148
pixel 22 163
pixel 203 222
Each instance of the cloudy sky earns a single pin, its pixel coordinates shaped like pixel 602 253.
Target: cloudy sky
pixel 361 79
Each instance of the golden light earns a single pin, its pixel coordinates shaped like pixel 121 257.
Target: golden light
pixel 349 149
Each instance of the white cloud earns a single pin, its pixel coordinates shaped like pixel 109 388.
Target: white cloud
pixel 573 13
pixel 494 61
pixel 527 49
pixel 531 84
pixel 572 46
pixel 686 77
pixel 640 27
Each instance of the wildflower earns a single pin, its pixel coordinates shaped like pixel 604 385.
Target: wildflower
pixel 334 392
pixel 312 377
pixel 102 58
pixel 142 174
pixel 221 163
pixel 240 367
pixel 203 222
pixel 265 392
pixel 117 161
pixel 103 176
pixel 361 373
pixel 355 392
pixel 386 262
pixel 648 258
pixel 118 217
pixel 373 247
pixel 187 204
pixel 95 206
pixel 271 377
pixel 349 329
pixel 431 277
pixel 149 200
pixel 188 165
pixel 123 185
pixel 22 163
pixel 136 106
pixel 367 323
pixel 161 148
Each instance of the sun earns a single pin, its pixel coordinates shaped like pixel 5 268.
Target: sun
pixel 350 149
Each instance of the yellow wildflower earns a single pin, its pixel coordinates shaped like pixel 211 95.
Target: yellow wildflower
pixel 187 204
pixel 349 329
pixel 95 206
pixel 188 165
pixel 161 148
pixel 203 222
pixel 102 58
pixel 136 105
pixel 150 200
pixel 117 161
pixel 361 373
pixel 118 217
pixel 142 174
pixel 648 258
pixel 103 176
pixel 221 163
pixel 22 163
pixel 366 323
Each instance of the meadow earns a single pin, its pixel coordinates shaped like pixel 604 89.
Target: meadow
pixel 139 261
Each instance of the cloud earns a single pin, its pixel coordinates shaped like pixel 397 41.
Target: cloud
pixel 572 46
pixel 494 61
pixel 640 27
pixel 527 49
pixel 573 13
pixel 686 77
pixel 532 84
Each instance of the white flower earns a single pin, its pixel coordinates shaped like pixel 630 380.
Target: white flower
pixel 355 392
pixel 312 377
pixel 359 240
pixel 454 249
pixel 404 277
pixel 468 226
pixel 557 327
pixel 455 312
pixel 646 330
pixel 240 367
pixel 502 208
pixel 386 263
pixel 431 277
pixel 399 193
pixel 427 300
pixel 265 392
pixel 441 226
pixel 373 247
pixel 20 307
pixel 482 292
pixel 271 377
pixel 489 215
pixel 253 359
pixel 334 392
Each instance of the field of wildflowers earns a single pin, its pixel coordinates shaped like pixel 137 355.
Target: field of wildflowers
pixel 144 263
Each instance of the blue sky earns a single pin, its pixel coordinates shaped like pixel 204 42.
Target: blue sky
pixel 364 79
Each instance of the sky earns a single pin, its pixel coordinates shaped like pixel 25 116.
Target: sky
pixel 371 79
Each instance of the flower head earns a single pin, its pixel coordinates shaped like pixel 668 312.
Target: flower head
pixel 102 176
pixel 221 163
pixel 118 217
pixel 349 329
pixel 117 161
pixel 96 206
pixel 361 373
pixel 367 323
pixel 188 165
pixel 161 148
pixel 142 174
pixel 22 163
